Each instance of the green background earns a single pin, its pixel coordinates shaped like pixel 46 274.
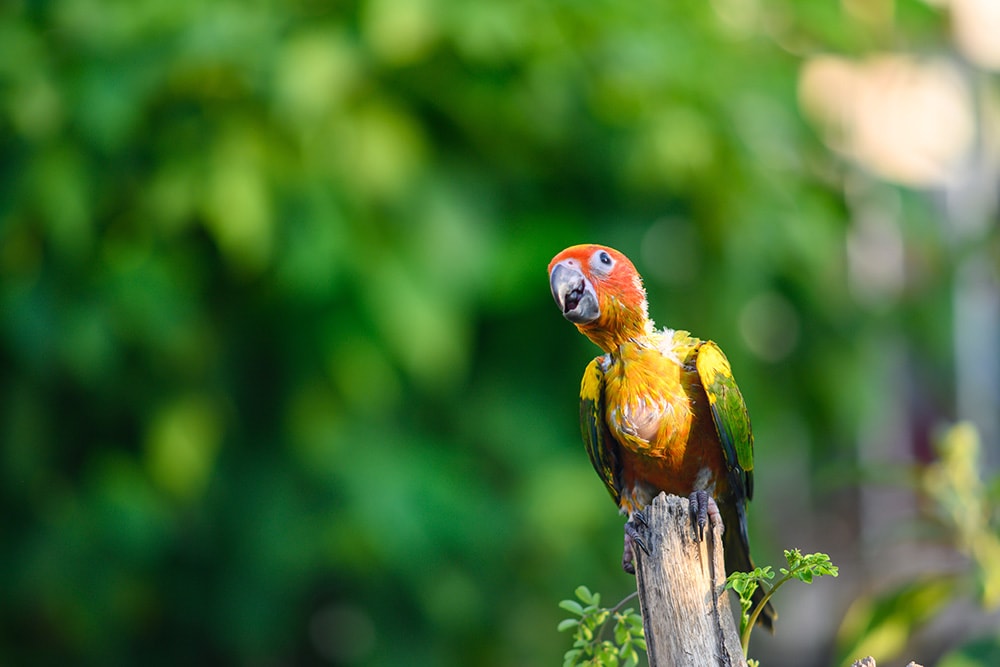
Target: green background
pixel 281 380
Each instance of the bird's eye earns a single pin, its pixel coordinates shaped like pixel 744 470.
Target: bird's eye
pixel 602 262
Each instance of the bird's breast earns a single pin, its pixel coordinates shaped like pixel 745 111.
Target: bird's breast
pixel 648 409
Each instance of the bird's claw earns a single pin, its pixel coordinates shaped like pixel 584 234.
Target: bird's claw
pixel 634 538
pixel 637 538
pixel 702 507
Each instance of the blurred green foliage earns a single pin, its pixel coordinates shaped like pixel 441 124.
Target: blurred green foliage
pixel 282 382
pixel 964 509
pixel 983 651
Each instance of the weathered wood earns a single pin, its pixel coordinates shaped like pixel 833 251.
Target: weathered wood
pixel 685 608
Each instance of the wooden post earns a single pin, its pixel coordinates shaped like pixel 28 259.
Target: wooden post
pixel 685 608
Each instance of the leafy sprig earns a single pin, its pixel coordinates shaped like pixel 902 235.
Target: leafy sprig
pixel 804 568
pixel 589 622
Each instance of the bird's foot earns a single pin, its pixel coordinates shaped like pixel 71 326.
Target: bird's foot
pixel 633 538
pixel 703 509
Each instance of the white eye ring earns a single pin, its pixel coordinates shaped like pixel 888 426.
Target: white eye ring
pixel 602 262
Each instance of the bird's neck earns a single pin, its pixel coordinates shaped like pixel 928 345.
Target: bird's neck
pixel 616 328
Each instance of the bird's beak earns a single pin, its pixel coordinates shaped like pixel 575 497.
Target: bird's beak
pixel 573 293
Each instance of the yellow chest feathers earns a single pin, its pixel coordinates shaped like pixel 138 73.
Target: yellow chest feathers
pixel 648 409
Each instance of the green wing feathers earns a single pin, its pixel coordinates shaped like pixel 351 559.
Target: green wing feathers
pixel 601 448
pixel 730 414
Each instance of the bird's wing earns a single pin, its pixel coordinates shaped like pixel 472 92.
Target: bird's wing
pixel 601 446
pixel 730 415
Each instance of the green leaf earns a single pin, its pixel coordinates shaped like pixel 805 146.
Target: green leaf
pixel 607 654
pixel 566 624
pixel 572 606
pixel 793 556
pixel 628 653
pixel 586 596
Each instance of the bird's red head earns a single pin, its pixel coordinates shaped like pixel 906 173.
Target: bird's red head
pixel 598 289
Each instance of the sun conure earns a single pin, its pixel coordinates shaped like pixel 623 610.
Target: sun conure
pixel 659 410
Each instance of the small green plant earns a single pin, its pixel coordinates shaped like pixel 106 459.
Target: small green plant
pixel 803 568
pixel 589 622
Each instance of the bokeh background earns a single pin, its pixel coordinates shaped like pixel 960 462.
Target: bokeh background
pixel 281 381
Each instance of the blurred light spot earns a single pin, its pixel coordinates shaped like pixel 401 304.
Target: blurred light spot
pixel 237 205
pixel 770 326
pixel 876 261
pixel 908 121
pixel 492 32
pixel 955 483
pixel 452 242
pixel 874 12
pixel 764 126
pixel 380 149
pixel 182 444
pixel 426 333
pixel 737 17
pixel 400 32
pixel 342 633
pixel 976 25
pixel 544 100
pixel 672 146
pixel 670 251
pixel 315 71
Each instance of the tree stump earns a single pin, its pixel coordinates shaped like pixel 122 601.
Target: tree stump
pixel 686 614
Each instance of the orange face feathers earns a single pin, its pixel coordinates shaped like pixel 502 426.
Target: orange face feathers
pixel 598 289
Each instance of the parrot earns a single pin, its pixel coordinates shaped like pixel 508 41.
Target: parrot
pixel 659 409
